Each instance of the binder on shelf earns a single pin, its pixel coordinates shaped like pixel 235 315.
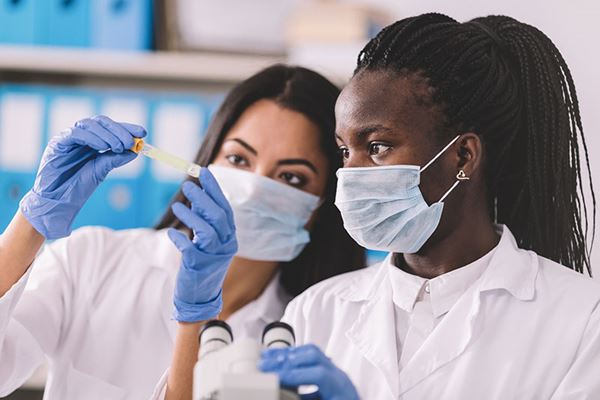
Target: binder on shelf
pixel 22 116
pixel 64 23
pixel 18 20
pixel 121 24
pixel 67 106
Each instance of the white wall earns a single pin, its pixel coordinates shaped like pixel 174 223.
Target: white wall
pixel 574 26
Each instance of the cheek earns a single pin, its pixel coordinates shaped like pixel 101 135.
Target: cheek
pixel 430 190
pixel 435 182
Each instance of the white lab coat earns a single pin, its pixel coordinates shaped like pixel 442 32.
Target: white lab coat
pixel 98 307
pixel 527 329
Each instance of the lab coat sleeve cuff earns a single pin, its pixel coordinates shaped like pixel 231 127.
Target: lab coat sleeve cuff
pixel 160 390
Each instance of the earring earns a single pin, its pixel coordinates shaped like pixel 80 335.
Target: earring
pixel 461 176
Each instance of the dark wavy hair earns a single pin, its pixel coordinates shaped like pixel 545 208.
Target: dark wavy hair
pixel 330 251
pixel 506 81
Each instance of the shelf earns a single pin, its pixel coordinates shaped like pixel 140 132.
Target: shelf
pixel 158 66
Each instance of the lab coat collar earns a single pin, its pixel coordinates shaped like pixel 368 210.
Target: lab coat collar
pixel 511 268
pixel 405 287
pixel 366 283
pixel 445 289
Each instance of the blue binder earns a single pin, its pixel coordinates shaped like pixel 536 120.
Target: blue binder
pixel 64 23
pixel 18 21
pixel 13 186
pixel 137 199
pixel 15 179
pixel 121 24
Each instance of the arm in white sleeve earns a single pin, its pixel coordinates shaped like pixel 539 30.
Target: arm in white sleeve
pixel 582 381
pixel 160 390
pixel 31 315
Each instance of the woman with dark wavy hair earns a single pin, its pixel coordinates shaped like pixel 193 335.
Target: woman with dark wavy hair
pixel 255 230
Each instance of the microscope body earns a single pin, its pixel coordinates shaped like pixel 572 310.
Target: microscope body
pixel 228 370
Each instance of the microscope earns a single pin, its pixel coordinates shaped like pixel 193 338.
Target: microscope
pixel 227 369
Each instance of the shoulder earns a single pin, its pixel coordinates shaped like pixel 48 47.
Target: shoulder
pixel 98 238
pixel 332 304
pixel 103 234
pixel 347 287
pixel 530 276
pixel 564 283
pixel 92 252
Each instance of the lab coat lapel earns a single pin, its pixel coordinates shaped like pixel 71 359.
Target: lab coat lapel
pixel 374 335
pixel 448 341
pixel 511 270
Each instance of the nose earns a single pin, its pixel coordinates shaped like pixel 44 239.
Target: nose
pixel 264 170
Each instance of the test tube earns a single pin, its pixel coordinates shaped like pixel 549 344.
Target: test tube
pixel 150 151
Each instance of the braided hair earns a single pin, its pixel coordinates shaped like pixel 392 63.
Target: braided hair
pixel 507 82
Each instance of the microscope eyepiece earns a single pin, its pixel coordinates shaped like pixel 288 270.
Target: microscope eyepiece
pixel 277 335
pixel 214 336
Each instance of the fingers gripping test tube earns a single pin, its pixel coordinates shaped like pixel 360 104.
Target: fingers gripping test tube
pixel 150 151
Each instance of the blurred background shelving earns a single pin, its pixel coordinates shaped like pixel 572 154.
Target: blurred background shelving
pixel 167 64
pixel 161 68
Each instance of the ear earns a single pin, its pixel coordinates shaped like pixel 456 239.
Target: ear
pixel 469 150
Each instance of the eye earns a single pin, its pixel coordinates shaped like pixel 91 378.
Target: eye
pixel 378 148
pixel 344 152
pixel 293 179
pixel 237 160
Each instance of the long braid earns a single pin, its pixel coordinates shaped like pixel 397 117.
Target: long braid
pixel 506 81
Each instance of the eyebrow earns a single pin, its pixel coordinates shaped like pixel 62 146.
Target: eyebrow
pixel 366 130
pixel 289 161
pixel 246 146
pixel 299 161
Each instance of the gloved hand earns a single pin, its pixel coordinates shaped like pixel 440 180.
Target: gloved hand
pixel 205 259
pixel 307 365
pixel 72 166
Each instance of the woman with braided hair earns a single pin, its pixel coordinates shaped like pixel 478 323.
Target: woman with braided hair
pixel 463 149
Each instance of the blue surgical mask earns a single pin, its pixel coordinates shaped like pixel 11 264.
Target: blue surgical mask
pixel 383 207
pixel 269 216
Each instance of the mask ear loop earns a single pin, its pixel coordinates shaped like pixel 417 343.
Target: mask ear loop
pixel 461 176
pixel 449 191
pixel 439 154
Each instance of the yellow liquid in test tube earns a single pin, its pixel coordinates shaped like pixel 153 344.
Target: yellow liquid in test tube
pixel 150 151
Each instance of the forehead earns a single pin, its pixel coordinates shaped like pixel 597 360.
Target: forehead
pixel 399 101
pixel 271 128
